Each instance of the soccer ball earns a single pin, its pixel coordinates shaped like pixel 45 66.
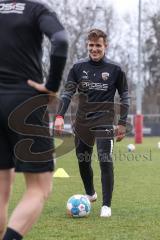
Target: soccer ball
pixel 158 145
pixel 131 147
pixel 78 206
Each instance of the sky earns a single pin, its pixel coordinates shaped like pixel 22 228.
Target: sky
pixel 125 6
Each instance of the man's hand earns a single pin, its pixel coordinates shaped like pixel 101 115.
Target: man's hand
pixel 120 132
pixel 59 125
pixel 41 88
pixel 38 86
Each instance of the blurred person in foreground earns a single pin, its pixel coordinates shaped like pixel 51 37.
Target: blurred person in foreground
pixel 25 144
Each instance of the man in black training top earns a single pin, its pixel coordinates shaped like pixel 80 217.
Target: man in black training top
pixel 97 80
pixel 25 144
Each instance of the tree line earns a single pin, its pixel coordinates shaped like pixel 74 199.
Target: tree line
pixel 122 34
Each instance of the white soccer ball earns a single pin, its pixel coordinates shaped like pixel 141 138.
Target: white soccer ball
pixel 131 147
pixel 78 206
pixel 158 145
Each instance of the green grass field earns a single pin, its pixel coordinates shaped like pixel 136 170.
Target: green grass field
pixel 135 206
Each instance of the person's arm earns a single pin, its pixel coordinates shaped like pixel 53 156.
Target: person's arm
pixel 69 90
pixel 122 88
pixel 49 25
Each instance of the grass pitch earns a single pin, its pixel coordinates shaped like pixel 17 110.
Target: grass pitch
pixel 135 205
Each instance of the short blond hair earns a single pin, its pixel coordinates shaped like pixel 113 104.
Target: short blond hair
pixel 96 33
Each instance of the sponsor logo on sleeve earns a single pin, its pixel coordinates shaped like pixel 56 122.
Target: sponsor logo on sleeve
pixel 6 8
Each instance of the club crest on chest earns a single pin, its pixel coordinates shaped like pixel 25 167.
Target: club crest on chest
pixel 105 76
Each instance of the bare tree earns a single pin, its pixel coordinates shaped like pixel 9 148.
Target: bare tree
pixel 151 59
pixel 78 19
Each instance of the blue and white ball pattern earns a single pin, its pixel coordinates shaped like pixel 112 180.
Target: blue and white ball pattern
pixel 78 206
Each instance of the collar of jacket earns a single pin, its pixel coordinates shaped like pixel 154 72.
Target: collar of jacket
pixel 100 62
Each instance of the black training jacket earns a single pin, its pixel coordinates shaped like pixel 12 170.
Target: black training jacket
pixel 22 26
pixel 96 83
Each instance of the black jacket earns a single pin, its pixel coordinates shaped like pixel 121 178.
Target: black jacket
pixel 23 24
pixel 97 83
